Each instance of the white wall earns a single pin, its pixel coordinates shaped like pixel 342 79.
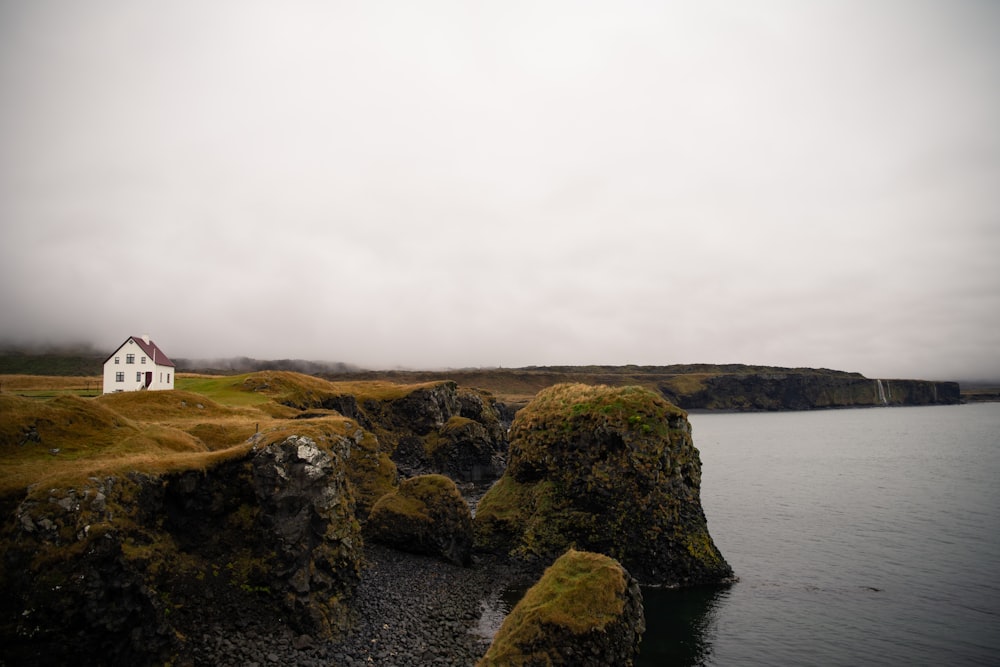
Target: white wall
pixel 163 376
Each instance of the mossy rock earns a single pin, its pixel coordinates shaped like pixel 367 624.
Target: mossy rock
pixel 585 611
pixel 426 515
pixel 609 470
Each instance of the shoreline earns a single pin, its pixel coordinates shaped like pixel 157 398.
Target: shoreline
pixel 408 609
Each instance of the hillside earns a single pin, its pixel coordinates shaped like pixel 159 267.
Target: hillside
pixel 690 386
pixel 701 386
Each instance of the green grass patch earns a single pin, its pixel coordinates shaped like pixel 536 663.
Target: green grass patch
pixel 224 389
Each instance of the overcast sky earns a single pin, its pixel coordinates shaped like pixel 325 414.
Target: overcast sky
pixel 450 184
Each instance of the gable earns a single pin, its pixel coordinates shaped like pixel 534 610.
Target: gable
pixel 150 349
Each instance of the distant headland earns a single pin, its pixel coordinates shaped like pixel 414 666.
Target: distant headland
pixel 723 387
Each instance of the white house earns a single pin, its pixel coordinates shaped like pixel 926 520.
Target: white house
pixel 138 364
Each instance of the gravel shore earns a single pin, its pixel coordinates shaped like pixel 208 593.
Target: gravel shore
pixel 411 610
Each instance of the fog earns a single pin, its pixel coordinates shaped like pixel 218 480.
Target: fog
pixel 449 184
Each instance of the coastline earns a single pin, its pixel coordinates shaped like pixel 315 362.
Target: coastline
pixel 409 609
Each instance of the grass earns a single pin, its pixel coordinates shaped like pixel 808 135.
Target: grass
pixel 224 389
pixel 581 592
pixel 41 386
pixel 63 439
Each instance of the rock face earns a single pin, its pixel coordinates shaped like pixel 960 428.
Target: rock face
pixel 433 427
pixel 119 571
pixel 803 390
pixel 441 429
pixel 585 611
pixel 306 516
pixel 610 470
pixel 427 515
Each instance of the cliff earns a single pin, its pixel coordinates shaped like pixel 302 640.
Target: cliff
pixel 703 386
pixel 121 569
pixel 608 470
pixel 133 521
pixel 802 390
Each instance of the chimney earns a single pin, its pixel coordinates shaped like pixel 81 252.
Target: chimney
pixel 145 338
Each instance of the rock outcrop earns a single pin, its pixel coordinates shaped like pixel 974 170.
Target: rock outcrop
pixel 120 570
pixel 610 470
pixel 440 428
pixel 585 611
pixel 429 427
pixel 804 389
pixel 426 515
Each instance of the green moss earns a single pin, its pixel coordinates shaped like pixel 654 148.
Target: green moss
pixel 398 504
pixel 371 472
pixel 534 517
pixel 579 593
pixel 610 470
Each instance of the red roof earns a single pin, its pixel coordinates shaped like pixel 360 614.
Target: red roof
pixel 153 352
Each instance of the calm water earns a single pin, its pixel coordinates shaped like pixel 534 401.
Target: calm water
pixel 861 537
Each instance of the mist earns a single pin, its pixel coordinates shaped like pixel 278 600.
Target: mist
pixel 447 185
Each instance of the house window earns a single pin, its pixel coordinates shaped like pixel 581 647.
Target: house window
pixel 119 377
pixel 168 377
pixel 118 360
pixel 142 360
pixel 138 376
pixel 129 358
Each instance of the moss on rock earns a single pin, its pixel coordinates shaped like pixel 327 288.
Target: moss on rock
pixel 116 571
pixel 585 610
pixel 427 515
pixel 610 470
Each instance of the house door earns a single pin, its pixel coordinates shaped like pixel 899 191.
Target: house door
pixel 149 378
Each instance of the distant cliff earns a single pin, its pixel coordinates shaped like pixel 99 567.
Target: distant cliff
pixel 689 386
pixel 703 386
pixel 804 391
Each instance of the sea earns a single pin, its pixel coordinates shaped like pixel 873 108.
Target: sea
pixel 860 537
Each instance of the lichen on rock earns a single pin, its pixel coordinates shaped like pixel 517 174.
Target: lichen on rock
pixel 585 611
pixel 427 515
pixel 119 570
pixel 609 470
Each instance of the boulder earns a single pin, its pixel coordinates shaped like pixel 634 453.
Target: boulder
pixel 609 470
pixel 426 515
pixel 585 611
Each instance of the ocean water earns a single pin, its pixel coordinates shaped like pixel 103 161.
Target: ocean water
pixel 861 537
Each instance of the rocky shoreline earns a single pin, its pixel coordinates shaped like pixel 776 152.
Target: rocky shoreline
pixel 410 609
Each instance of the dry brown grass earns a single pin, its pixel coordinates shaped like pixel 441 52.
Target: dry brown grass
pixel 689 383
pixel 19 383
pixel 67 439
pixel 64 440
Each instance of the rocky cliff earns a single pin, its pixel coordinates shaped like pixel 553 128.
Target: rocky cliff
pixel 121 569
pixel 609 470
pixel 151 527
pixel 432 427
pixel 804 391
pixel 701 386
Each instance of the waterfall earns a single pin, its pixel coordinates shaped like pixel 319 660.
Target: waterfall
pixel 881 392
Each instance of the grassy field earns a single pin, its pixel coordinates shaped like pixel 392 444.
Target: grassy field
pixel 55 432
pixel 49 386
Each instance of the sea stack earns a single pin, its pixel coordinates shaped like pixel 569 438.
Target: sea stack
pixel 612 470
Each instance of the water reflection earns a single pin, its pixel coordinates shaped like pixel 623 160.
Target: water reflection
pixel 680 625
